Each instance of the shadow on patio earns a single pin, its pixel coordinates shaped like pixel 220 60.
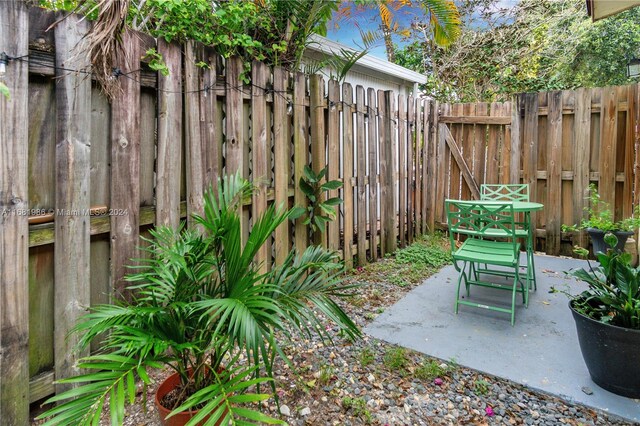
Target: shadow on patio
pixel 541 351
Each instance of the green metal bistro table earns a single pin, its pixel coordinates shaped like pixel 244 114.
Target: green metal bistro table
pixel 527 207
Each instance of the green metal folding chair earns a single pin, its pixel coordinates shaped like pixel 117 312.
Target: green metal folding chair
pixel 504 192
pixel 480 222
pixel 514 192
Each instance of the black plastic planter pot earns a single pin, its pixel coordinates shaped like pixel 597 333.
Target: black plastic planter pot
pixel 612 354
pixel 597 238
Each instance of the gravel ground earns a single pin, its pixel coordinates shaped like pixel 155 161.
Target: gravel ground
pixel 372 382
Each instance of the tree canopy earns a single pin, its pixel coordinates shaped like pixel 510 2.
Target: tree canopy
pixel 536 45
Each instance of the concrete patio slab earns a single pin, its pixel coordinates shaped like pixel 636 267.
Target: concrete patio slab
pixel 541 351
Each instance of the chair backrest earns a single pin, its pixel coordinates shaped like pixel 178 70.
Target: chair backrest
pixel 479 219
pixel 506 192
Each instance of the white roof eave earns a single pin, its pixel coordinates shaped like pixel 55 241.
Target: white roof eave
pixel 323 45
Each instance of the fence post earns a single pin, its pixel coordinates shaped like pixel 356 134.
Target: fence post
pixel 361 173
pixel 73 158
pixel 14 204
pixel 372 115
pixel 516 143
pixel 402 171
pixel 608 144
pixel 333 157
pixel 581 154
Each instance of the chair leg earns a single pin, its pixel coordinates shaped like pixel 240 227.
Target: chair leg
pixel 532 270
pixel 513 299
pixel 461 276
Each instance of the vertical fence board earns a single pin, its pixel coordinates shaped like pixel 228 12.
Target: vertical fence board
pixel 530 145
pixel 389 192
pixel 347 173
pixel 402 172
pixel 582 129
pixel 361 156
pixel 383 143
pixel 444 160
pixel 300 156
pixel 426 167
pixel 148 127
pixel 259 152
pixel 193 144
pixel 333 157
pixel 457 131
pixel 494 165
pixel 480 145
pixel 14 292
pixel 318 146
pixel 411 105
pixel 468 137
pixel 281 159
pixel 169 137
pixel 372 133
pixel 514 143
pixel 233 118
pixel 73 158
pixel 634 112
pixel 629 148
pixel 209 126
pixel 420 142
pixel 435 204
pixel 125 164
pixel 608 138
pixel 554 169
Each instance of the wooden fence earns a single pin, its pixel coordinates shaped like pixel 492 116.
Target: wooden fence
pixel 88 177
pixel 99 174
pixel 558 142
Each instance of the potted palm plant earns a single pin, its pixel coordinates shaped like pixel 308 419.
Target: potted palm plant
pixel 600 221
pixel 607 317
pixel 201 307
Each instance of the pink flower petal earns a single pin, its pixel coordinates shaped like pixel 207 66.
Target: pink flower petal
pixel 489 411
pixel 438 381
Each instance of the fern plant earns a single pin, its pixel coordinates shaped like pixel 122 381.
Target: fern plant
pixel 199 303
pixel 319 211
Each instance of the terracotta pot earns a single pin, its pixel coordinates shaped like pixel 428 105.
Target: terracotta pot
pixel 180 419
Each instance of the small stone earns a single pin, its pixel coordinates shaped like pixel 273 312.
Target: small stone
pixel 502 397
pixel 371 378
pixel 285 410
pixel 587 390
pixel 305 411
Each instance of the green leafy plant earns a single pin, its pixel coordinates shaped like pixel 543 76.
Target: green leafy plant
pixel 395 358
pixel 156 62
pixel 601 217
pixel 481 386
pixel 429 370
pixel 358 407
pixel 613 295
pixel 4 91
pixel 198 303
pixel 366 356
pixel 319 211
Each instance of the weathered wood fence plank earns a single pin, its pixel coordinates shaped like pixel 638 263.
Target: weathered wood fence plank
pixel 14 243
pixel 402 172
pixel 169 137
pixel 281 159
pixel 73 158
pixel 125 164
pixel 333 157
pixel 554 168
pixel 300 156
pixel 372 132
pixel 317 141
pixel 260 153
pixel 347 175
pixel 194 158
pixel 362 157
pixel 582 130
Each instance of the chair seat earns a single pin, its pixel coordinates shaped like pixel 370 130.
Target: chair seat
pixel 486 251
pixel 498 233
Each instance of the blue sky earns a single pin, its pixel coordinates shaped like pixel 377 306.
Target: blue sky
pixel 346 32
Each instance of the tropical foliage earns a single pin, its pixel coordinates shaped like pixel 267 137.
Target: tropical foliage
pixel 441 17
pixel 320 211
pixel 613 296
pixel 200 304
pixel 535 45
